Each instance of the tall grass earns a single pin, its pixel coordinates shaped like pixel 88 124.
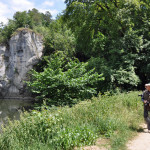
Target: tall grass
pixel 114 117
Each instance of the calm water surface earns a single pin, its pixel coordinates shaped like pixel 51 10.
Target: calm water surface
pixel 12 109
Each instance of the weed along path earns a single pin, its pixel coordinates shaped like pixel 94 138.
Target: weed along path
pixel 141 142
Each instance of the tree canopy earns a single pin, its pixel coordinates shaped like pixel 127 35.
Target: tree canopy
pixel 113 33
pixel 111 36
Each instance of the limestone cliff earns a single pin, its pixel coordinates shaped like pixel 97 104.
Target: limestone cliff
pixel 25 50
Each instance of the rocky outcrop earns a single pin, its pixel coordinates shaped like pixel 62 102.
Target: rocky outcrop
pixel 24 51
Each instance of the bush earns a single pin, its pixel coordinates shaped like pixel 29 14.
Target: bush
pixel 64 81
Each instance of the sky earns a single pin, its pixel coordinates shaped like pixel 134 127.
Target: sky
pixel 9 7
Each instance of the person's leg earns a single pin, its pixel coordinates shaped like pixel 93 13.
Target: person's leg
pixel 148 123
pixel 147 119
pixel 145 114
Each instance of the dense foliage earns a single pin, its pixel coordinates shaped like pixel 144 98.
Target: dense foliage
pixel 115 34
pixel 64 81
pixel 57 37
pixel 113 117
pixel 111 36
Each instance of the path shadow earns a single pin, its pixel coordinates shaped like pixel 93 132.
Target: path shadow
pixel 139 130
pixel 143 130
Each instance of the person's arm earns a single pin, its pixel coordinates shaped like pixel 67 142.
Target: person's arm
pixel 142 98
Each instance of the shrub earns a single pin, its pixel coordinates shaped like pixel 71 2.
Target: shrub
pixel 64 81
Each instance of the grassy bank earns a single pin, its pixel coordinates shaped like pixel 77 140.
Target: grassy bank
pixel 112 117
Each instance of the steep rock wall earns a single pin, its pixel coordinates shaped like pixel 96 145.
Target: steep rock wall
pixel 25 50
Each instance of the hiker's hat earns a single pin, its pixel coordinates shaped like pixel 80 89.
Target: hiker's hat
pixel 148 84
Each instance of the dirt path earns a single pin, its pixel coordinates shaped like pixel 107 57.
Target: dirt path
pixel 101 144
pixel 141 142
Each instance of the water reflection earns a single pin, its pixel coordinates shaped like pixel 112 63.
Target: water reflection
pixel 12 109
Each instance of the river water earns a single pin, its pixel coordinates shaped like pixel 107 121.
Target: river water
pixel 12 109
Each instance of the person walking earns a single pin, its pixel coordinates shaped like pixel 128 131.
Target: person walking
pixel 146 100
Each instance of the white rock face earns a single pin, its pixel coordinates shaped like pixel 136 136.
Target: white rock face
pixel 2 62
pixel 25 50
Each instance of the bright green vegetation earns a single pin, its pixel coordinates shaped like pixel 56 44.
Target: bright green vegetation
pixel 64 81
pixel 113 117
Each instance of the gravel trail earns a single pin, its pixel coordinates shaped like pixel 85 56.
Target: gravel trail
pixel 141 142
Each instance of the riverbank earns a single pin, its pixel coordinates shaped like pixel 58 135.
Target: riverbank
pixel 115 118
pixel 12 108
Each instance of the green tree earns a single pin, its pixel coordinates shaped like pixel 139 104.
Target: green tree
pixel 22 19
pixel 110 32
pixel 40 19
pixel 57 37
